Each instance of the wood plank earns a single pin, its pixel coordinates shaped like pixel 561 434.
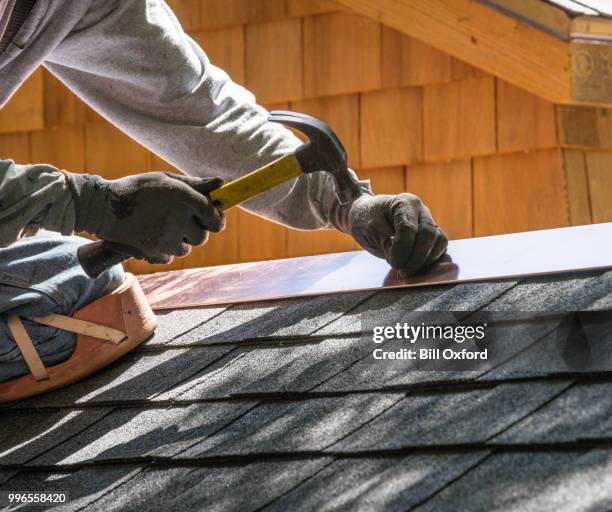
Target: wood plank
pixel 408 62
pixel 16 147
pixel 386 180
pixel 63 147
pixel 540 14
pixel 591 27
pixel 25 111
pixel 311 7
pixel 341 113
pixel 524 121
pixel 111 153
pixel 188 12
pixel 519 192
pixel 492 41
pixel 577 180
pixel 62 107
pixel 446 189
pixel 577 126
pixel 579 248
pixel 459 119
pixel 225 49
pixel 215 14
pixel 260 239
pixel 341 54
pixel 599 165
pixel 274 60
pixel 461 70
pixel 391 127
pixel 590 74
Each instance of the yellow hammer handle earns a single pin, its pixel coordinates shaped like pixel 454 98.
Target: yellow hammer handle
pixel 256 182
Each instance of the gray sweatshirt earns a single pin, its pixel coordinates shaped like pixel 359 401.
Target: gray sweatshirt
pixel 131 61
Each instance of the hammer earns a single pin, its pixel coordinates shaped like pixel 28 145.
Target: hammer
pixel 322 152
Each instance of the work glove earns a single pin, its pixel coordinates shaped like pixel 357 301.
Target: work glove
pixel 398 228
pixel 159 215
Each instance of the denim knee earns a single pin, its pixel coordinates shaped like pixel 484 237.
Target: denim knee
pixel 39 276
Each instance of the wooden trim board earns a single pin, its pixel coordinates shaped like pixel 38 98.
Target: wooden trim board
pixel 558 68
pixel 532 253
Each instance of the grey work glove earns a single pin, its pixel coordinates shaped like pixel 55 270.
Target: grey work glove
pixel 398 228
pixel 161 215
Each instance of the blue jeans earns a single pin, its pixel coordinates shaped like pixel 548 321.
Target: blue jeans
pixel 39 276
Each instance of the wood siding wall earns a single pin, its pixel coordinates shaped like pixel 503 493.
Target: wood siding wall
pixel 486 156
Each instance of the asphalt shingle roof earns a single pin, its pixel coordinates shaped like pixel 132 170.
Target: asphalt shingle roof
pixel 280 406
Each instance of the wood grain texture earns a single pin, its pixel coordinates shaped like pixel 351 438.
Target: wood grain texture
pixel 408 62
pixel 459 119
pixel 273 60
pixel 16 147
pixel 391 127
pixel 492 41
pixel 461 70
pixel 599 165
pixel 385 180
pixel 225 49
pixel 519 192
pixel 111 153
pixel 577 181
pixel 61 106
pixel 310 7
pixel 25 110
pixel 216 13
pixel 446 189
pixel 584 127
pixel 524 121
pixel 341 113
pixel 260 239
pixel 63 147
pixel 341 54
pixel 188 12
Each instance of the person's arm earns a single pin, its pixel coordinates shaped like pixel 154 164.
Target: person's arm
pixel 33 197
pixel 137 68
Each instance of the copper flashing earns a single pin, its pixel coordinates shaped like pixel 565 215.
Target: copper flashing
pixel 477 259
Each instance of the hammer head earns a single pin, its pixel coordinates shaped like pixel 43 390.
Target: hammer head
pixel 322 152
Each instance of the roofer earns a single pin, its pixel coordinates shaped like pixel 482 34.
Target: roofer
pixel 131 62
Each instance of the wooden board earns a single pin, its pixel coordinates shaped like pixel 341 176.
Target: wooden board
pixel 524 121
pixel 341 54
pixel 519 192
pixel 478 259
pixel 459 119
pixel 391 127
pixel 490 40
pixel 273 60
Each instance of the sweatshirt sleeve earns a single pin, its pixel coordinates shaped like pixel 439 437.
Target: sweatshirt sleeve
pixel 33 197
pixel 138 69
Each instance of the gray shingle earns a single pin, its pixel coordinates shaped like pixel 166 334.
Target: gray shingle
pixel 531 482
pixel 588 350
pixel 241 488
pixel 307 425
pixel 388 484
pixel 25 435
pixel 567 292
pixel 371 373
pixel 584 411
pixel 450 418
pixel 290 317
pixel 136 432
pixel 137 376
pixel 172 324
pixel 83 486
pixel 283 368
